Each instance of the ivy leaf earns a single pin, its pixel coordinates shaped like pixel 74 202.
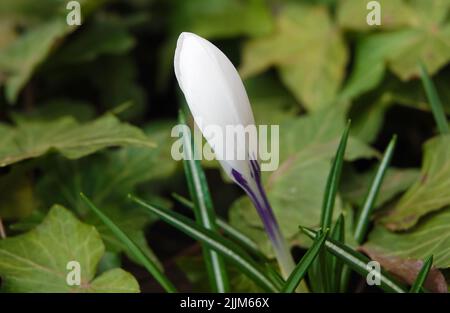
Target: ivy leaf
pixel 354 186
pixel 213 19
pixel 427 39
pixel 221 18
pixel 405 250
pixel 308 51
pixel 37 261
pixel 295 189
pixel 108 178
pixel 111 176
pixel 7 35
pixel 31 139
pixel 352 15
pixel 429 192
pixel 413 94
pixel 59 107
pixel 271 103
pixel 408 269
pixel 19 60
pixel 29 12
pixel 46 26
pixel 432 236
pixel 101 36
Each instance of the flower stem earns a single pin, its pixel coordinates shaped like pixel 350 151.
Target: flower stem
pixel 254 189
pixel 284 257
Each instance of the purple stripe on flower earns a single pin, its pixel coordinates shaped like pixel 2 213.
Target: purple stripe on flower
pixel 260 201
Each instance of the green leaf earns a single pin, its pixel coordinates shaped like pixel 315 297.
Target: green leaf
pixel 323 267
pixel 37 261
pixel 33 139
pixel 352 15
pixel 295 188
pixel 226 248
pixel 107 178
pixel 426 39
pixel 336 265
pixel 29 12
pixel 355 185
pixel 362 223
pixel 67 179
pixel 333 182
pixel 132 247
pixel 356 261
pixel 435 103
pixel 412 93
pixel 422 276
pixel 271 103
pixel 228 230
pixel 308 51
pixel 369 68
pixel 203 210
pixel 7 35
pixel 221 18
pixel 428 192
pixel 20 59
pixel 429 237
pixel 374 106
pixel 56 108
pixel 102 36
pixel 302 267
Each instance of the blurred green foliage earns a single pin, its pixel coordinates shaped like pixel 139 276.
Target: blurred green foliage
pixel 71 93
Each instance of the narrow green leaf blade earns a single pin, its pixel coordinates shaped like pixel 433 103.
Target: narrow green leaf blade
pixel 337 234
pixel 333 181
pixel 302 267
pixel 225 247
pixel 356 261
pixel 422 276
pixel 203 210
pixel 363 221
pixel 435 101
pixel 324 261
pixel 243 240
pixel 132 247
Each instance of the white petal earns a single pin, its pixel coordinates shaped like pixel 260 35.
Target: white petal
pixel 213 89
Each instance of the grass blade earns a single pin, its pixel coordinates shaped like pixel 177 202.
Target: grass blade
pixel 356 261
pixel 204 211
pixel 225 247
pixel 248 244
pixel 274 275
pixel 322 267
pixel 422 276
pixel 132 247
pixel 333 181
pixel 337 234
pixel 364 217
pixel 363 220
pixel 302 267
pixel 435 101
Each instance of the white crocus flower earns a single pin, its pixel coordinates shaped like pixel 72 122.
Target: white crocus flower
pixel 217 98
